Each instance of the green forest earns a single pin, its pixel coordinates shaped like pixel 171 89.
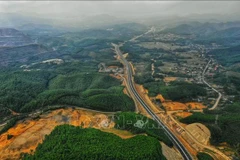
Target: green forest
pixel 227 56
pixel 18 88
pixel 74 82
pixel 90 90
pixel 176 91
pixel 28 91
pixel 68 84
pixel 69 142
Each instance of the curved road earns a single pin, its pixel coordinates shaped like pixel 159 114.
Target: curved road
pixel 219 94
pixel 186 155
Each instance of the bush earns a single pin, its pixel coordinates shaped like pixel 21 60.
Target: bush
pixel 204 156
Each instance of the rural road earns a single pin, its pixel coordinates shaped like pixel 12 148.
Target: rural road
pixel 130 82
pixel 219 94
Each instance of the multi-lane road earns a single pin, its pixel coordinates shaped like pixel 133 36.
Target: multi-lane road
pixel 130 82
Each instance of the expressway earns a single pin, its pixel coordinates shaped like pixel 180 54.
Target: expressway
pixel 186 155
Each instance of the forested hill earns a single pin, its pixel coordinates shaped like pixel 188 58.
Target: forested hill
pixel 10 37
pixel 202 29
pixel 62 69
pixel 227 56
pixel 69 142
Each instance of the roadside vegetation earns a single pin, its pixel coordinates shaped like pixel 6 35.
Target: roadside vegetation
pixel 204 156
pixel 139 124
pixel 176 91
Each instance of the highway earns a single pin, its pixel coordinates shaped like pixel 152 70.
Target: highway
pixel 219 94
pixel 186 155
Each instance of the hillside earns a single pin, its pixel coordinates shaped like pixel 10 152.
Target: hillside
pixel 10 37
pixel 227 56
pixel 201 29
pixel 94 144
pixel 20 54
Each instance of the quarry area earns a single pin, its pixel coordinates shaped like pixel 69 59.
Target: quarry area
pixel 25 136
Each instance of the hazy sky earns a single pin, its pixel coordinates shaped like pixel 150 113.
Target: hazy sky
pixel 119 8
pixel 79 13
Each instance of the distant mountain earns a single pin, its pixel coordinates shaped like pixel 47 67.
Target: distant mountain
pixel 6 32
pixel 10 37
pixel 226 33
pixel 36 29
pixel 12 20
pixel 34 26
pixel 98 21
pixel 137 27
pixel 119 31
pixel 31 21
pixel 201 29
